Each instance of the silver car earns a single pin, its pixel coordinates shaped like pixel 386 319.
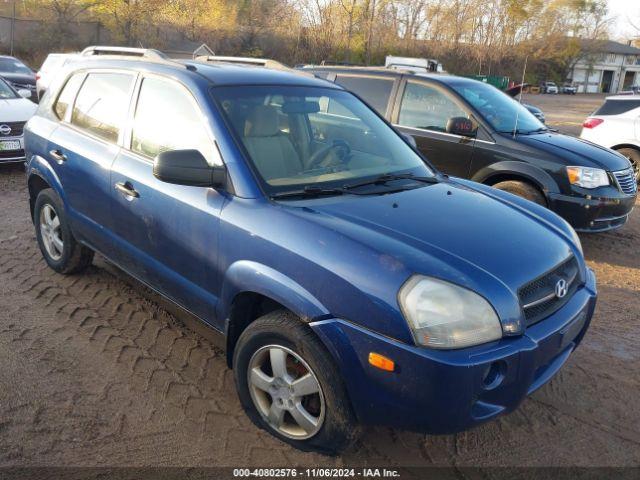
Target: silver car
pixel 15 110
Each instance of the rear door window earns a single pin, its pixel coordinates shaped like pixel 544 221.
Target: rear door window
pixel 616 107
pixel 102 104
pixel 373 90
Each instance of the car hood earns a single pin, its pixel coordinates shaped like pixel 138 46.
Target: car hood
pixel 458 230
pixel 575 151
pixel 531 108
pixel 19 78
pixel 16 110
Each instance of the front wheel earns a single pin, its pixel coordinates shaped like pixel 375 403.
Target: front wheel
pixel 522 189
pixel 59 248
pixel 289 385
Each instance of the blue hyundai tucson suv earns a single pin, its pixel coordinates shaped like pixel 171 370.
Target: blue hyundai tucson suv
pixel 351 281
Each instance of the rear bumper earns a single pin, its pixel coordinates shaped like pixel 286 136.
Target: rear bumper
pixel 597 214
pixel 447 391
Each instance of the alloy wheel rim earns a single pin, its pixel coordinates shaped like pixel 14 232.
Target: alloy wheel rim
pixel 50 232
pixel 286 392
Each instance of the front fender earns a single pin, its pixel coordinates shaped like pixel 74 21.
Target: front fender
pixel 248 276
pixel 525 170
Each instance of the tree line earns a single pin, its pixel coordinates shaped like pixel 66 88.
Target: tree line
pixel 468 36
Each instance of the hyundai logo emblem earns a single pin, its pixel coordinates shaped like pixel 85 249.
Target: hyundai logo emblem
pixel 5 129
pixel 561 288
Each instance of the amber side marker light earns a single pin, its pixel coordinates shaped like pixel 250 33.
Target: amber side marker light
pixel 381 362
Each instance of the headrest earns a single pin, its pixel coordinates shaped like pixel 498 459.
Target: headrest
pixel 262 122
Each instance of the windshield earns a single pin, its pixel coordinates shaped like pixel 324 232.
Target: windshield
pixel 300 137
pixel 6 91
pixel 12 65
pixel 499 109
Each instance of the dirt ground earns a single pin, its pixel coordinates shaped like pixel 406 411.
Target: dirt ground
pixel 93 373
pixel 566 112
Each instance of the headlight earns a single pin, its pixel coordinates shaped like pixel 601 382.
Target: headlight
pixel 443 315
pixel 587 177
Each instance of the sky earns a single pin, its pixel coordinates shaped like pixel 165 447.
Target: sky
pixel 622 11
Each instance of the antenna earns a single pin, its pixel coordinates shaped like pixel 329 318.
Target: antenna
pixel 524 70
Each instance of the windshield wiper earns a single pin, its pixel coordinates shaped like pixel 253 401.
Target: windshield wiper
pixel 525 132
pixel 388 177
pixel 308 192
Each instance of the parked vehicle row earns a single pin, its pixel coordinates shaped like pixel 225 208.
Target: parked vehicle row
pixel 549 87
pixel 18 75
pixel 352 281
pixel 470 129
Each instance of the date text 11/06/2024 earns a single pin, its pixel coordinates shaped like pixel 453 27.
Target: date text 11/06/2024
pixel 316 472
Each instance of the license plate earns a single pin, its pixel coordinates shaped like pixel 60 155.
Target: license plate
pixel 9 145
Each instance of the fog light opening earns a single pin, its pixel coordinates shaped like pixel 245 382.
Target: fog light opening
pixel 494 375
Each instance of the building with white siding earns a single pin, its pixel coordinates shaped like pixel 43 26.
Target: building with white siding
pixel 606 67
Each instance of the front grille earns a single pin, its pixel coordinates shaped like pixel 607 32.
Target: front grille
pixel 16 129
pixel 23 86
pixel 4 154
pixel 538 297
pixel 626 181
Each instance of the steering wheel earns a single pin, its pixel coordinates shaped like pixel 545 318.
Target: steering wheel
pixel 340 146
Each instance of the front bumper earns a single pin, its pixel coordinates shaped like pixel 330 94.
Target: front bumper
pixel 596 214
pixel 447 391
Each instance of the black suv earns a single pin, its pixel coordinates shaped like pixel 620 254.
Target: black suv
pixel 473 130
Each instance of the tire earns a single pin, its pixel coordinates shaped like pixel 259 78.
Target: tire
pixel 634 157
pixel 263 340
pixel 522 189
pixel 59 248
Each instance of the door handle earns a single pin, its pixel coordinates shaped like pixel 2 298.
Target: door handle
pixel 127 190
pixel 58 156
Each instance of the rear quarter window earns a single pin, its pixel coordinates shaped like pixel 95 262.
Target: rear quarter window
pixel 374 91
pixel 67 95
pixel 617 107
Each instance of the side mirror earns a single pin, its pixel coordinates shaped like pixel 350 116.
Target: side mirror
pixel 461 126
pixel 24 93
pixel 188 167
pixel 410 139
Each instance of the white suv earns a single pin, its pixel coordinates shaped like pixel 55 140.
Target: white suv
pixel 53 65
pixel 616 125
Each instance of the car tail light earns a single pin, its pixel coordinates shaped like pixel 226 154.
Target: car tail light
pixel 592 122
pixel 37 76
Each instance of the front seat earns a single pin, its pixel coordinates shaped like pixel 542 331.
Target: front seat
pixel 271 151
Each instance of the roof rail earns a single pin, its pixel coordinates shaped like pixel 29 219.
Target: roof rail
pixel 149 54
pixel 249 61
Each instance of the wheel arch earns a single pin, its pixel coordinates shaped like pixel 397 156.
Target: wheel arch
pixel 40 175
pixel 36 183
pixel 518 171
pixel 251 290
pixel 626 145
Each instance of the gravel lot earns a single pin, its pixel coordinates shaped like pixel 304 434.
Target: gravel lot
pixel 566 112
pixel 95 373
